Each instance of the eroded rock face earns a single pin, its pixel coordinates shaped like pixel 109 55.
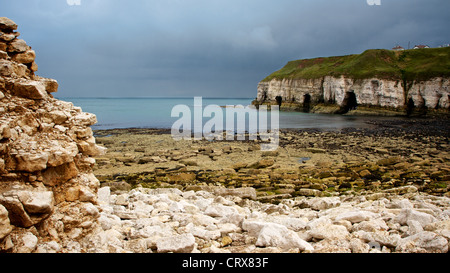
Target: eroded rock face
pixel 431 94
pixel 47 189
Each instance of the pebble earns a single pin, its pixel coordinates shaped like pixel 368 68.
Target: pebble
pixel 170 220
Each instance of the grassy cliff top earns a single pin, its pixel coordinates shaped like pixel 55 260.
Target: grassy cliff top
pixel 413 64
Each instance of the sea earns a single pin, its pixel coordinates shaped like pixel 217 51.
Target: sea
pixel 116 113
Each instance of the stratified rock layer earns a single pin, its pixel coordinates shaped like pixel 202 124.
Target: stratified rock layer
pixel 47 188
pixel 391 94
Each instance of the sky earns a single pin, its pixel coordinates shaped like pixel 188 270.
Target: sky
pixel 209 48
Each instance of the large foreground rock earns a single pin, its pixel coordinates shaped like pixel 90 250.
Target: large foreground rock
pixel 424 242
pixel 47 188
pixel 7 24
pixel 5 227
pixel 413 215
pixel 279 236
pixel 178 244
pixel 355 216
pixel 324 229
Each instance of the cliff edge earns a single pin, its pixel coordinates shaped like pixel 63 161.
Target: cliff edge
pixel 406 82
pixel 48 191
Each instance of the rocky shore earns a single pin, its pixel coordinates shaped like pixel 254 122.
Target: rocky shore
pixel 216 220
pixel 383 189
pixel 317 163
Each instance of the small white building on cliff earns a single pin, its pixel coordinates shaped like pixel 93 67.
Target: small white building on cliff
pixel 420 46
pixel 398 48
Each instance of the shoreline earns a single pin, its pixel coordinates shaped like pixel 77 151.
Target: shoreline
pixel 388 155
pixel 374 121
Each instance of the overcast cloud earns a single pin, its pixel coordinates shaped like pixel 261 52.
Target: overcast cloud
pixel 211 48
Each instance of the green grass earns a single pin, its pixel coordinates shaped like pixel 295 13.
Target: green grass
pixel 408 65
pixel 423 64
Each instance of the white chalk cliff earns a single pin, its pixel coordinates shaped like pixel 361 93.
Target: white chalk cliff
pixel 432 94
pixel 378 78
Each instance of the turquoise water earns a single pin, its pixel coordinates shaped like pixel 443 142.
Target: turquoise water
pixel 156 113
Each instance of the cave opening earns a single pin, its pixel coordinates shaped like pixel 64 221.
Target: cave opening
pixel 279 100
pixel 306 103
pixel 264 96
pixel 350 102
pixel 410 107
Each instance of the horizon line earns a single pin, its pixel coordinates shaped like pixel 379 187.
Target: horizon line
pixel 153 97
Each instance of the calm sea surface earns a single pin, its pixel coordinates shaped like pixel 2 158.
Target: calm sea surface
pixel 156 113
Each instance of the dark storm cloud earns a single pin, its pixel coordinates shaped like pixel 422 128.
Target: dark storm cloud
pixel 207 47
